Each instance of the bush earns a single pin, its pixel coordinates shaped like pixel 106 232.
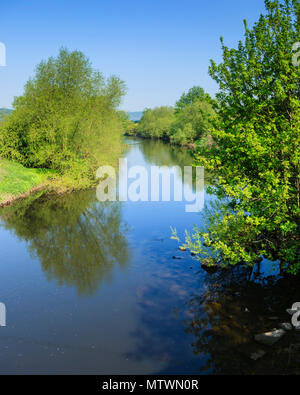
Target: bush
pixel 156 123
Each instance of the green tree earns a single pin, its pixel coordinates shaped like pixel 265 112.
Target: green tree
pixel 256 155
pixel 193 122
pixel 66 119
pixel 196 93
pixel 156 123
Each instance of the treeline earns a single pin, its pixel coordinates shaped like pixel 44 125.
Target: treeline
pixel 191 120
pixel 66 120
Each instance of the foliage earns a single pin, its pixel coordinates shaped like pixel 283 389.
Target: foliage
pixel 66 119
pixel 4 112
pixel 256 155
pixel 195 94
pixel 131 128
pixel 191 120
pixel 156 123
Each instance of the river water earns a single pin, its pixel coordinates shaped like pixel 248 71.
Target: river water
pixel 94 288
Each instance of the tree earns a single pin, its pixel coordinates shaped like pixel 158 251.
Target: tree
pixel 66 119
pixel 256 152
pixel 156 123
pixel 196 93
pixel 192 122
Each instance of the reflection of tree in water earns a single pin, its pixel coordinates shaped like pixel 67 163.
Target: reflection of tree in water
pixel 161 154
pixel 206 324
pixel 225 318
pixel 76 239
pixel 158 153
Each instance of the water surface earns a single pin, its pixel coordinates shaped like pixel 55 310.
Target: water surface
pixel 93 288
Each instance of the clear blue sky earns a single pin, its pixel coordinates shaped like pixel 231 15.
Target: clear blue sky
pixel 159 47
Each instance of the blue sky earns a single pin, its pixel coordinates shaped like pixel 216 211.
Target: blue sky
pixel 160 47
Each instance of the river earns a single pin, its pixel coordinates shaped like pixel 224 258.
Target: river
pixel 94 288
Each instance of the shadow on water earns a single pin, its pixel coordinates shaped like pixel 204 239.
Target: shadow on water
pixel 76 239
pixel 219 320
pixel 233 309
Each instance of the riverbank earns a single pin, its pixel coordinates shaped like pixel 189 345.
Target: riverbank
pixel 18 182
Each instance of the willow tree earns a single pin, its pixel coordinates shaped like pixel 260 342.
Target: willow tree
pixel 256 153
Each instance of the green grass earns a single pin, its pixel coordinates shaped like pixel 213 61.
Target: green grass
pixel 16 179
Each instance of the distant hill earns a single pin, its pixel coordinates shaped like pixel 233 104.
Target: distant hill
pixel 135 116
pixel 4 111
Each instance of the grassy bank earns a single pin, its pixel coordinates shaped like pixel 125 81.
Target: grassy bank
pixel 17 182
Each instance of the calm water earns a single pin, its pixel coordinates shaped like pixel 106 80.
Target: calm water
pixel 93 288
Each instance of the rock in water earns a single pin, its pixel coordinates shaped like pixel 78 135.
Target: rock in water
pixel 286 326
pixel 270 338
pixel 182 249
